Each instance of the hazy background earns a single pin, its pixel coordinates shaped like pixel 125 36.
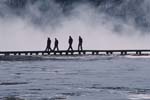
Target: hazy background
pixel 103 24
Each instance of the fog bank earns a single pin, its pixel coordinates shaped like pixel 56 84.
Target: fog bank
pixel 103 25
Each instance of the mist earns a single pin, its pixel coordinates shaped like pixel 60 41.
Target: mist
pixel 103 25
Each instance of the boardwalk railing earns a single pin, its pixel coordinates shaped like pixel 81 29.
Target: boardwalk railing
pixel 76 52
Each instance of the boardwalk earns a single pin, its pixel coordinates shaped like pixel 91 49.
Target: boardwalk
pixel 76 52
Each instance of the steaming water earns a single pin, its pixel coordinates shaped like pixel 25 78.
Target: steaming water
pixel 77 78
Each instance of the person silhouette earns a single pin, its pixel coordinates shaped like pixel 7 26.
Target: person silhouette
pixel 80 44
pixel 70 41
pixel 56 45
pixel 48 47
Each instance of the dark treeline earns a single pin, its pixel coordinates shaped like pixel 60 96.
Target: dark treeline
pixel 64 3
pixel 124 10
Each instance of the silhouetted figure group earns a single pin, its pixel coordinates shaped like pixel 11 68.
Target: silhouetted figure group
pixel 48 47
pixel 70 41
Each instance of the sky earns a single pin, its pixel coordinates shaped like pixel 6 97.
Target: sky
pixel 103 24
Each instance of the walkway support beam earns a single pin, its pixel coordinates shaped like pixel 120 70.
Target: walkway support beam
pixel 76 52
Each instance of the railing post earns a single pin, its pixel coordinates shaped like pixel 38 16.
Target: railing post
pixel 79 52
pixel 107 53
pixel 19 53
pixel 125 52
pixel 66 52
pixel 122 53
pixel 26 54
pixel 7 54
pixel 60 53
pixel 37 53
pixel 111 52
pixel 15 54
pixel 72 52
pixel 97 52
pixel 93 52
pixel 140 52
pixel 55 53
pixel 84 52
pixel 48 53
pixel 30 53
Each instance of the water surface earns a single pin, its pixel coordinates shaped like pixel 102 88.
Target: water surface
pixel 77 78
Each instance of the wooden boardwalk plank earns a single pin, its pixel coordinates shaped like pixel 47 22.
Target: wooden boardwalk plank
pixel 76 52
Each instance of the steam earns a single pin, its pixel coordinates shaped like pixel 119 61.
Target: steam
pixel 109 25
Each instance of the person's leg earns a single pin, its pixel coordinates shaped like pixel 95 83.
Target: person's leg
pixel 54 48
pixel 57 48
pixel 69 47
pixel 46 49
pixel 78 47
pixel 81 47
pixel 50 49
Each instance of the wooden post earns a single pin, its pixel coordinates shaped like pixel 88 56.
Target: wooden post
pixel 72 52
pixel 93 52
pixel 19 53
pixel 108 52
pixel 84 52
pixel 60 53
pixel 125 52
pixel 140 52
pixel 66 52
pixel 30 53
pixel 26 53
pixel 55 53
pixel 37 53
pixel 79 52
pixel 48 53
pixel 111 52
pixel 15 54
pixel 97 52
pixel 137 52
pixel 122 53
pixel 7 54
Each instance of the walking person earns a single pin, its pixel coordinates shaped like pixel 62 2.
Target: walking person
pixel 56 45
pixel 70 41
pixel 48 46
pixel 80 48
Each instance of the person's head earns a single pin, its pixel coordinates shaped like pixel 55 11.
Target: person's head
pixel 80 37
